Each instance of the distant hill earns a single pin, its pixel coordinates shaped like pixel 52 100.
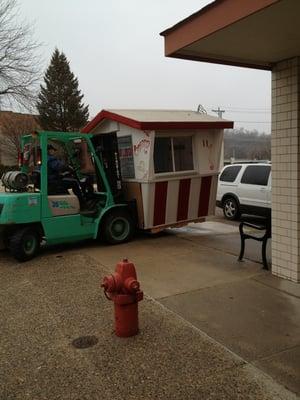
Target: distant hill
pixel 244 144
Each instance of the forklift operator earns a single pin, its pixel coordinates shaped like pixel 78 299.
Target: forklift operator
pixel 57 184
pixel 55 166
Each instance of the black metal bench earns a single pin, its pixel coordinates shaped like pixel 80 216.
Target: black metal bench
pixel 258 223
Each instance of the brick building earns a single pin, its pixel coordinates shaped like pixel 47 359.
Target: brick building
pixel 12 125
pixel 261 34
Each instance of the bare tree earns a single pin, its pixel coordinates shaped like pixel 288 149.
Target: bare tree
pixel 13 126
pixel 19 64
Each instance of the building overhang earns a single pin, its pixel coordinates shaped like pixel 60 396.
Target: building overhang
pixel 248 33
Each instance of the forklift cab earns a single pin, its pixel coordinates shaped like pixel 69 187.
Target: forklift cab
pixel 63 167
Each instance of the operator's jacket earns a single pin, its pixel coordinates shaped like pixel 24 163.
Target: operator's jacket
pixel 57 185
pixel 55 166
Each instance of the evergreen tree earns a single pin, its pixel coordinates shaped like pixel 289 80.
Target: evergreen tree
pixel 60 101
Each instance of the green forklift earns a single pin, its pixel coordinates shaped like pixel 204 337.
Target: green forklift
pixel 84 201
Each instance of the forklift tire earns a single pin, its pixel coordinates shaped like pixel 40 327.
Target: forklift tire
pixel 5 242
pixel 24 244
pixel 118 227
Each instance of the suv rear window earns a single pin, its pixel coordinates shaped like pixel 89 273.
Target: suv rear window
pixel 256 175
pixel 230 173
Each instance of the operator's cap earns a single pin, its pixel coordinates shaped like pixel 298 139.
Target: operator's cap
pixel 50 147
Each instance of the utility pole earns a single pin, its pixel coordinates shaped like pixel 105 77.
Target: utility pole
pixel 219 112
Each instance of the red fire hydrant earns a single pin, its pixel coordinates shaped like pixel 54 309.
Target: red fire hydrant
pixel 123 289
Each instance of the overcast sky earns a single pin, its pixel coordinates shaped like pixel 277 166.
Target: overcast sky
pixel 115 50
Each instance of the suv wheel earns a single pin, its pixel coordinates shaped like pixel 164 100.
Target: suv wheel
pixel 231 209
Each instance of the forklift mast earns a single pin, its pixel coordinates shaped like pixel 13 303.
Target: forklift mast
pixel 106 148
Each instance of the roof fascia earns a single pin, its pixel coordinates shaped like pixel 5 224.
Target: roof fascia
pixel 102 115
pixel 186 125
pixel 266 67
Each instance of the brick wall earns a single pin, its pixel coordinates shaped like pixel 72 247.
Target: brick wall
pixel 285 169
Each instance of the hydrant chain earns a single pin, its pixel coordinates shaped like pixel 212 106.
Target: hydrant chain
pixel 106 295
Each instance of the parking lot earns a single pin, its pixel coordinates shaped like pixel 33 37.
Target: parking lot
pixel 210 326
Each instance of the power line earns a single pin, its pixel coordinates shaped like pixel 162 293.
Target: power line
pixel 248 109
pixel 262 109
pixel 248 112
pixel 254 122
pixel 220 113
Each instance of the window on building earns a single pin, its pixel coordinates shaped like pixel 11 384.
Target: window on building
pixel 183 153
pixel 126 157
pixel 256 175
pixel 173 154
pixel 163 155
pixel 230 173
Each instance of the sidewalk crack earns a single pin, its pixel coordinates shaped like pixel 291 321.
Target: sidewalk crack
pixel 272 287
pixel 263 358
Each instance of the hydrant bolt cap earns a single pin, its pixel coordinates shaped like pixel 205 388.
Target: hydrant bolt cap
pixel 112 283
pixel 132 285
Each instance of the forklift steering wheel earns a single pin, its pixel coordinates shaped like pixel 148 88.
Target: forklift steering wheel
pixel 67 173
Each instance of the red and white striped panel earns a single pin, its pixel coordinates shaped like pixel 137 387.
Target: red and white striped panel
pixel 168 202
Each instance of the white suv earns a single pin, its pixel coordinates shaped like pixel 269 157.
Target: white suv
pixel 245 188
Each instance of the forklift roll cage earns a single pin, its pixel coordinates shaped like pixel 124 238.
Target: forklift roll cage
pixel 42 138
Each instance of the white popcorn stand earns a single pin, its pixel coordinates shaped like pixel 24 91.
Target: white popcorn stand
pixel 169 161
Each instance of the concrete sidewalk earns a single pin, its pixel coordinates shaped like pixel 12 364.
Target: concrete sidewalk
pixel 212 330
pixel 194 272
